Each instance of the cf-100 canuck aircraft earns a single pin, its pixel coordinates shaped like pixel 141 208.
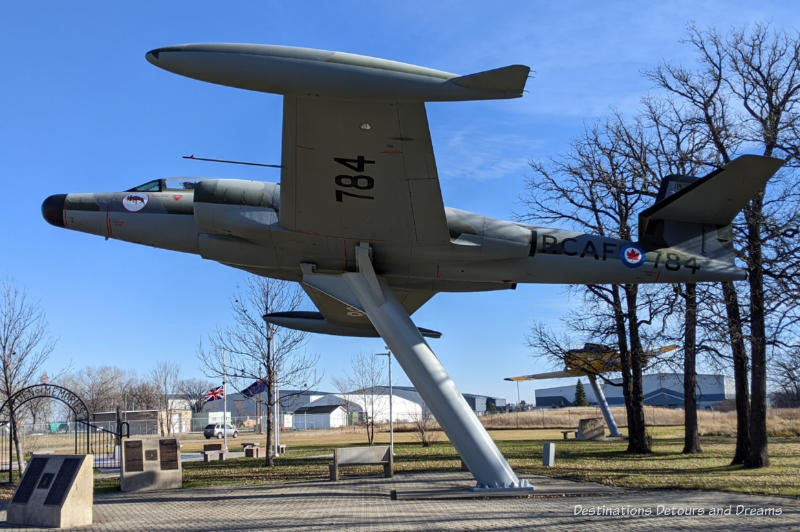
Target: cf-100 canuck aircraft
pixel 589 361
pixel 358 217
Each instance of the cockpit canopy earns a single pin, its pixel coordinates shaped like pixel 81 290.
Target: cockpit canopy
pixel 182 184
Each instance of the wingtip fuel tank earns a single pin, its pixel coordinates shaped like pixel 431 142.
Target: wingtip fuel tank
pixel 307 71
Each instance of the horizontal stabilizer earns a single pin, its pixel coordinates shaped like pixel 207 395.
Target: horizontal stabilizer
pixel 509 80
pixel 716 199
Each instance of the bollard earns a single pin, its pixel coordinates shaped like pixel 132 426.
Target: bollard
pixel 549 455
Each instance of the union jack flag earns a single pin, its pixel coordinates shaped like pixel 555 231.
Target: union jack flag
pixel 214 394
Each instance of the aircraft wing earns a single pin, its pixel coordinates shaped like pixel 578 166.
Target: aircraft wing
pixel 360 170
pixel 340 313
pixel 550 375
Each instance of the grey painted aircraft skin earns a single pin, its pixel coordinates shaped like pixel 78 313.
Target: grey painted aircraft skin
pixel 489 254
pixel 357 166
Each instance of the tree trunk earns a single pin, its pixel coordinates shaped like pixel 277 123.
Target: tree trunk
pixel 758 455
pixel 13 415
pixel 624 354
pixel 691 440
pixel 637 434
pixel 269 403
pixel 739 373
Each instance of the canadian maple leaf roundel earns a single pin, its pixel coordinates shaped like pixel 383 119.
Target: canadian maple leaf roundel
pixel 632 255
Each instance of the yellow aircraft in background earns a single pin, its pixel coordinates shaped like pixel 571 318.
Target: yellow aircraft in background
pixel 589 361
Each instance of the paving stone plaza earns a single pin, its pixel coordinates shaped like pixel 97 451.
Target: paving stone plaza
pixel 364 503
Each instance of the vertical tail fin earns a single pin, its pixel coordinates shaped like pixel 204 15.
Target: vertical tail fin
pixel 694 214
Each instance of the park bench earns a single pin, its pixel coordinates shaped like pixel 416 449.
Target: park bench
pixel 360 456
pixel 214 451
pixel 251 449
pixel 566 433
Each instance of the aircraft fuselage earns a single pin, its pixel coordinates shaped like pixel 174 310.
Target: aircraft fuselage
pixel 236 223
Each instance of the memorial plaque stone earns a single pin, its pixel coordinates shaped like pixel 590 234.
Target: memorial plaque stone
pixel 55 491
pixel 133 456
pixel 169 454
pixel 591 428
pixel 160 470
pixel 29 480
pixel 64 477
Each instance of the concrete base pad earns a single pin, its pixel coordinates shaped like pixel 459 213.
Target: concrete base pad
pixel 461 494
pixel 544 487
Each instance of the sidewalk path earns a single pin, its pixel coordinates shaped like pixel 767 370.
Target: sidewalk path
pixel 364 504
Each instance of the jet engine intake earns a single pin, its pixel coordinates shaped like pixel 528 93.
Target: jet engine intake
pixel 236 207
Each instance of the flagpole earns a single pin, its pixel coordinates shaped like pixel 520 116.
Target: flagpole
pixel 224 401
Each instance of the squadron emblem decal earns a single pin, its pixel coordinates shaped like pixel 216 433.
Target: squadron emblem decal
pixel 632 256
pixel 135 202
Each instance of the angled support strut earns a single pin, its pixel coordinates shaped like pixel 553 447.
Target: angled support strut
pixel 371 294
pixel 601 400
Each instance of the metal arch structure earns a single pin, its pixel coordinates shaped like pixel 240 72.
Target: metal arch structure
pixel 53 391
pixel 80 412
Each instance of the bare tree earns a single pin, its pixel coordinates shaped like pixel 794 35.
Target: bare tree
pixel 343 386
pixel 165 378
pixel 25 346
pixel 138 394
pixel 747 92
pixel 260 354
pixel 193 391
pixel 366 376
pixel 786 370
pixel 607 178
pixel 99 387
pixel 40 409
pixel 425 426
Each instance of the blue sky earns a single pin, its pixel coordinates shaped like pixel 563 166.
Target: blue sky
pixel 83 111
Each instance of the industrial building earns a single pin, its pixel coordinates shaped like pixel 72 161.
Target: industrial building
pixel 660 389
pixel 407 405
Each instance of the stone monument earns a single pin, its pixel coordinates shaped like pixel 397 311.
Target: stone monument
pixel 592 428
pixel 151 464
pixel 56 491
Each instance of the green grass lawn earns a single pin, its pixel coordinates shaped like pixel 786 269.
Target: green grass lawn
pixel 602 461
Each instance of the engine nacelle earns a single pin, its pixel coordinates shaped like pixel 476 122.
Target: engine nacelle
pixel 236 207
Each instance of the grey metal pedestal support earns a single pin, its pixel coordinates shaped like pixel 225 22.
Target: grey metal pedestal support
pixel 429 377
pixel 601 400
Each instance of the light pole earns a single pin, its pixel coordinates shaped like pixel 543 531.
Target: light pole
pixel 518 405
pixel 388 354
pixel 224 401
pixel 276 398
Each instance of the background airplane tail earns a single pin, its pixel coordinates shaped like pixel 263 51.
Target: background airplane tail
pixel 694 215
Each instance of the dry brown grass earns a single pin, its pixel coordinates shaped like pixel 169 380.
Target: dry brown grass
pixel 780 421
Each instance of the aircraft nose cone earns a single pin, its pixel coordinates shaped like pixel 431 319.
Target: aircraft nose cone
pixel 53 209
pixel 154 55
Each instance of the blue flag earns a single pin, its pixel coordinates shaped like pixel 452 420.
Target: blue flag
pixel 256 388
